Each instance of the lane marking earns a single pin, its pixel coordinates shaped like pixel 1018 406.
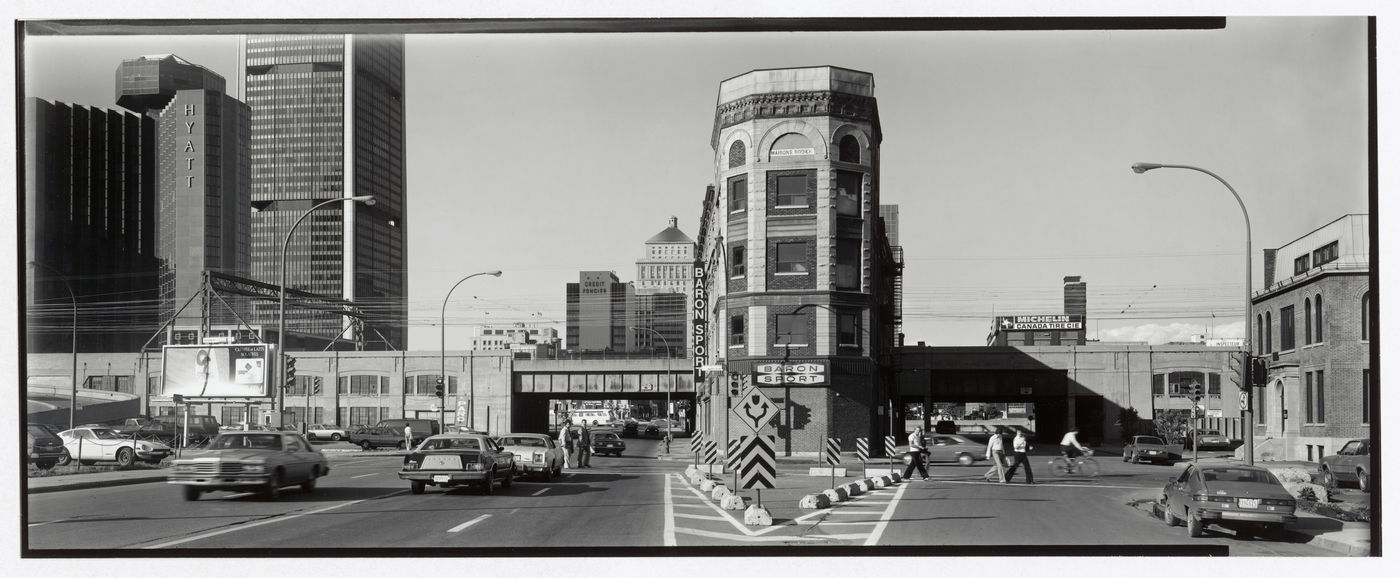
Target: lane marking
pixel 874 537
pixel 668 529
pixel 540 492
pixel 862 523
pixel 710 534
pixel 1054 485
pixel 690 505
pixel 250 525
pixel 465 525
pixel 700 517
pixel 37 524
pixel 355 462
pixel 364 475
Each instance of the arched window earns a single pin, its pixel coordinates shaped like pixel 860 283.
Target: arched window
pixel 736 154
pixel 1259 334
pixel 1317 315
pixel 1268 332
pixel 1366 316
pixel 1307 321
pixel 849 149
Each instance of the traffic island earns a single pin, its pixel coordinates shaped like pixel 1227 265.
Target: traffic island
pixel 719 493
pixel 837 494
pixel 814 502
pixel 757 516
pixel 854 489
pixel 865 484
pixel 883 482
pixel 733 502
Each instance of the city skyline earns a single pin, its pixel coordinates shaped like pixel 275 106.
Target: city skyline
pixel 980 237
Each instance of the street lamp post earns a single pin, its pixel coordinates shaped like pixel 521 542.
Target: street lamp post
pixel 669 354
pixel 368 200
pixel 442 404
pixel 73 395
pixel 1248 417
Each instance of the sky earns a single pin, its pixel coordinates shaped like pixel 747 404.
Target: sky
pixel 1008 154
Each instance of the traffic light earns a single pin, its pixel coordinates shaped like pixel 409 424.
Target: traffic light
pixel 316 385
pixel 439 391
pixel 735 385
pixel 291 372
pixel 1258 371
pixel 1195 391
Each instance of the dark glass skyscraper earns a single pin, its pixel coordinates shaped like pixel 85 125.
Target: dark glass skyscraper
pixel 328 122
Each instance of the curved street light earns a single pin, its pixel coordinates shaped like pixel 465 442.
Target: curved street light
pixel 73 396
pixel 1248 417
pixel 442 405
pixel 368 200
pixel 670 354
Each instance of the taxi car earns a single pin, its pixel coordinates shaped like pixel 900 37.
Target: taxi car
pixel 1352 463
pixel 605 443
pixel 249 460
pixel 1247 499
pixel 95 443
pixel 457 459
pixel 534 453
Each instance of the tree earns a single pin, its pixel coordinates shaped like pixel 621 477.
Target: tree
pixel 1128 423
pixel 1171 424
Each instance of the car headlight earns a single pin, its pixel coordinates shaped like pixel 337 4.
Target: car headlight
pixel 145 447
pixel 409 464
pixel 253 468
pixel 474 466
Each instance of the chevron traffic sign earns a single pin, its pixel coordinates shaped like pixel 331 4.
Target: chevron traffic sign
pixel 697 442
pixel 833 451
pixel 890 446
pixel 759 465
pixel 863 449
pixel 711 455
pixel 731 455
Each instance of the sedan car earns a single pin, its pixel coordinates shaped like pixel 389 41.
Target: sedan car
pixel 1150 448
pixel 91 444
pixel 1246 499
pixel 1352 463
pixel 369 438
pixel 535 453
pixel 249 460
pixel 1209 438
pixel 321 431
pixel 951 448
pixel 45 447
pixel 457 459
pixel 605 443
pixel 629 429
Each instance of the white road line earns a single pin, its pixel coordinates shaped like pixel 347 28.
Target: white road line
pixel 668 530
pixel 699 517
pixel 744 538
pixel 364 475
pixel 1054 485
pixel 247 526
pixel 856 513
pixel 540 492
pixel 862 523
pixel 874 537
pixel 690 505
pixel 464 525
pixel 37 524
pixel 354 462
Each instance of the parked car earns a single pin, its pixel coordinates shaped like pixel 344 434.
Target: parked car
pixel 369 438
pixel 44 445
pixel 95 443
pixel 535 453
pixel 951 448
pixel 1150 448
pixel 629 428
pixel 321 431
pixel 1352 463
pixel 422 428
pixel 146 428
pixel 1247 499
pixel 249 460
pixel 457 459
pixel 1208 438
pixel 202 427
pixel 605 443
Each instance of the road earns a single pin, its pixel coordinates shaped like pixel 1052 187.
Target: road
pixel 628 502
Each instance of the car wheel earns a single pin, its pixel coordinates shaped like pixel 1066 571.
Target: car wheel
pixel 366 446
pixel 510 478
pixel 125 457
pixel 335 437
pixel 1125 456
pixel 1194 526
pixel 64 459
pixel 274 483
pixel 547 474
pixel 310 484
pixel 1328 480
pixel 416 486
pixel 191 493
pixel 490 486
pixel 1168 516
pixel 1363 480
pixel 965 459
pixel 44 465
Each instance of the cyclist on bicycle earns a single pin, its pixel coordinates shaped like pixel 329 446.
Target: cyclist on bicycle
pixel 1070 447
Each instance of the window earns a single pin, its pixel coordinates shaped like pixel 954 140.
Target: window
pixel 1365 396
pixel 1285 328
pixel 848 263
pixel 1321 399
pixel 790 329
pixel 736 261
pixel 1159 384
pixel 1268 332
pixel 1307 321
pixel 1325 254
pixel 848 330
pixel 1259 334
pixel 1317 319
pixel 848 191
pixel 153 385
pixel 738 193
pixel 300 385
pixel 736 154
pixel 1300 265
pixel 1365 316
pixel 849 149
pixel 1214 388
pixel 230 415
pixel 792 258
pixel 792 191
pixel 736 330
pixel 363 416
pixel 1261 404
pixel 427 384
pixel 1308 398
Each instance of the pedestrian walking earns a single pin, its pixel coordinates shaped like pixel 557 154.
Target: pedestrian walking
pixel 585 447
pixel 566 441
pixel 1019 447
pixel 408 436
pixel 916 454
pixel 996 451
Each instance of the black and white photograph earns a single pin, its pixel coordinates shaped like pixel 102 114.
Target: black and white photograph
pixel 604 291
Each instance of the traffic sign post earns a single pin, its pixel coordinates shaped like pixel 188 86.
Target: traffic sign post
pixel 833 457
pixel 758 464
pixel 755 410
pixel 697 443
pixel 862 453
pixel 889 450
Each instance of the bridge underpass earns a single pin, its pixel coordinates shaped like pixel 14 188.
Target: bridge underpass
pixel 537 384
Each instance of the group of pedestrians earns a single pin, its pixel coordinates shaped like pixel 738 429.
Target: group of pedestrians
pixel 578 446
pixel 996 452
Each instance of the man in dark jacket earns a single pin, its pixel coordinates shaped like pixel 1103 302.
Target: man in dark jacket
pixel 585 447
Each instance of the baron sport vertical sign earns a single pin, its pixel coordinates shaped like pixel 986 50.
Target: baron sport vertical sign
pixel 699 322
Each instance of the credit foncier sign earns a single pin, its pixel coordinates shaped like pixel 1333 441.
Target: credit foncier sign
pixel 1041 323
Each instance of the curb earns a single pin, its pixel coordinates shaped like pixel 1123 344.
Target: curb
pixel 1336 546
pixel 93 484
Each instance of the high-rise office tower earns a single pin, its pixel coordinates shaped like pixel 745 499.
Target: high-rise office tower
pixel 663 284
pixel 202 185
pixel 600 308
pixel 328 123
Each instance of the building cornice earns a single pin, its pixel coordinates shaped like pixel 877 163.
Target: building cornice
pixel 797 104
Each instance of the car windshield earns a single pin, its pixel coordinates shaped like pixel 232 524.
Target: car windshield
pixel 451 444
pixel 1150 440
pixel 1209 432
pixel 1238 475
pixel 103 433
pixel 523 441
pixel 248 441
pixel 605 436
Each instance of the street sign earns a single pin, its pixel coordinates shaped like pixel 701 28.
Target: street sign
pixel 863 449
pixel 1244 401
pixel 755 409
pixel 711 453
pixel 759 464
pixel 732 456
pixel 697 442
pixel 890 446
pixel 833 451
pixel 792 373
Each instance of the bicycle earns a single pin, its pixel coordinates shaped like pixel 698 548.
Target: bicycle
pixel 1084 465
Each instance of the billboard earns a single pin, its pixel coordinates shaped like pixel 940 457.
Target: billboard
pixel 1041 323
pixel 217 370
